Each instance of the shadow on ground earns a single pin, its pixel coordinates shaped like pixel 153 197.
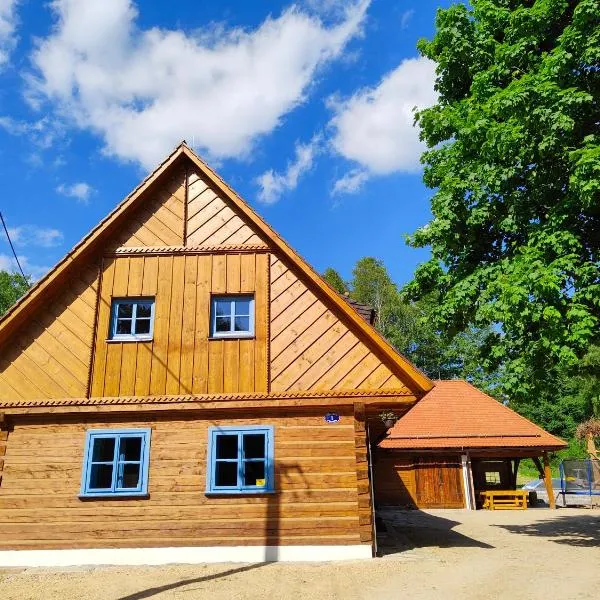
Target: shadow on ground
pixel 178 584
pixel 402 530
pixel 573 530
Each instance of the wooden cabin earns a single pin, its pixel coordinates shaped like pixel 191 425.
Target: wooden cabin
pixel 183 387
pixel 454 445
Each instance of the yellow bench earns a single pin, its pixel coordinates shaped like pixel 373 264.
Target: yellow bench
pixel 504 499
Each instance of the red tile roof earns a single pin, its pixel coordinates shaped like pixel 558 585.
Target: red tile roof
pixel 455 414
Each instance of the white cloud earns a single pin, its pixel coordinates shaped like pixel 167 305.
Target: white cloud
pixel 8 27
pixel 273 185
pixel 32 235
pixel 81 191
pixel 8 263
pixel 375 127
pixel 351 183
pixel 406 17
pixel 143 91
pixel 42 133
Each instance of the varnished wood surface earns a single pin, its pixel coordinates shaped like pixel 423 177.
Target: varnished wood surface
pixel 317 499
pixel 50 357
pixel 181 358
pixel 439 482
pixel 160 220
pixel 211 220
pixel 311 348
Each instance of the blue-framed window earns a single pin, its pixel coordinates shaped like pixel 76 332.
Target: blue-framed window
pixel 116 462
pixel 132 319
pixel 232 316
pixel 240 460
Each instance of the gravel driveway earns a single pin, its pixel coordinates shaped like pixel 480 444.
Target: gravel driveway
pixel 426 555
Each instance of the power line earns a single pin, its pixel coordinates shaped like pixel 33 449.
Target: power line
pixel 12 247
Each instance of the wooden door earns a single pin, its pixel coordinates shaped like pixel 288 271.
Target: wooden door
pixel 439 482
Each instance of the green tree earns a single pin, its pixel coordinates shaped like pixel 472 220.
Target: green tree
pixel 514 159
pixel 12 287
pixel 335 280
pixel 408 327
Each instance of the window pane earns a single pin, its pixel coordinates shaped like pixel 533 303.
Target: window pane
pixel 242 307
pixel 242 323
pixel 123 326
pixel 222 307
pixel 223 324
pixel 130 448
pixel 104 450
pixel 254 472
pixel 142 326
pixel 144 309
pixel 226 473
pixel 131 476
pixel 227 446
pixel 254 445
pixel 101 477
pixel 125 309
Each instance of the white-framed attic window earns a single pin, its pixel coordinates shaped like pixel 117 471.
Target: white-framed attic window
pixel 232 316
pixel 132 319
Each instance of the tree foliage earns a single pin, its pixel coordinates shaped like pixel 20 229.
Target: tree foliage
pixel 12 287
pixel 335 280
pixel 514 159
pixel 407 326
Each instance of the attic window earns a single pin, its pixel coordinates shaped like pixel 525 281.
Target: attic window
pixel 232 316
pixel 132 319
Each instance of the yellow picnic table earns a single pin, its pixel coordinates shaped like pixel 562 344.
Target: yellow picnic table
pixel 504 499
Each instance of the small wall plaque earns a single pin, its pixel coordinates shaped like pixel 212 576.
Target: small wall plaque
pixel 332 418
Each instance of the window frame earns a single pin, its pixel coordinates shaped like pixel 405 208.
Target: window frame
pixel 131 337
pixel 211 460
pixel 214 334
pixel 91 435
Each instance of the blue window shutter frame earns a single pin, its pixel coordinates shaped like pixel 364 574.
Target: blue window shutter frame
pixel 117 434
pixel 213 433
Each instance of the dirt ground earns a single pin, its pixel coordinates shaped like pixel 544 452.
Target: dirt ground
pixel 451 555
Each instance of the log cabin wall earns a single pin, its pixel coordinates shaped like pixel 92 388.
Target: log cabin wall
pixel 181 359
pixel 316 499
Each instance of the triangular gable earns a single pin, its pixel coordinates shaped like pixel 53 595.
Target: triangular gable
pixel 213 214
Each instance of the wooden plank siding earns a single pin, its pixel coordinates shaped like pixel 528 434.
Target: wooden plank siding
pixel 50 358
pixel 394 479
pixel 211 220
pixel 311 349
pixel 160 221
pixel 315 502
pixel 181 358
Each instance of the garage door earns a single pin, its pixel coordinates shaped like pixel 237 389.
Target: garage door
pixel 439 482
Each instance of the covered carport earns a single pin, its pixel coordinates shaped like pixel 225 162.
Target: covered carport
pixel 455 444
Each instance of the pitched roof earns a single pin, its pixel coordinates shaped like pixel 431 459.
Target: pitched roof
pixel 455 414
pixel 15 316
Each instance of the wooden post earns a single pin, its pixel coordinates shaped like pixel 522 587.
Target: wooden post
pixel 548 481
pixel 515 472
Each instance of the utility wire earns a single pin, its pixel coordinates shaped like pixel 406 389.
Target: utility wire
pixel 12 247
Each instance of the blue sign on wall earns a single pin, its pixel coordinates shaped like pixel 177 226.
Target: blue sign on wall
pixel 332 418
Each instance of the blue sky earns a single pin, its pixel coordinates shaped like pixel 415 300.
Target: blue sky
pixel 305 109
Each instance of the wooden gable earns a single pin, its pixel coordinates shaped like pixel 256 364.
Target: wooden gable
pixel 181 236
pixel 312 348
